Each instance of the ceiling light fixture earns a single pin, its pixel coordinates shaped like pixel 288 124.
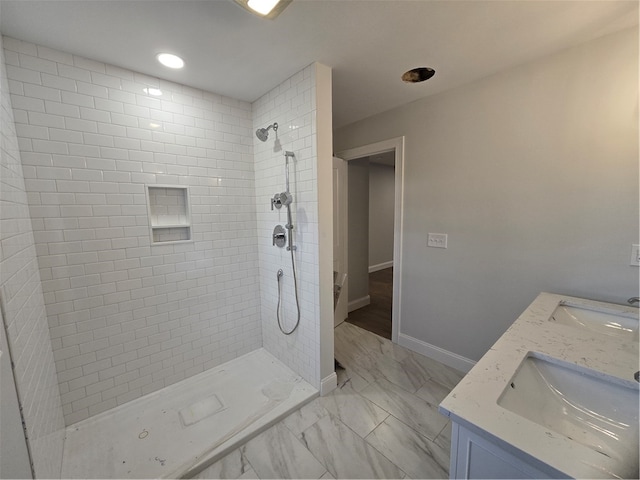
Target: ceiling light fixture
pixel 170 60
pixel 264 8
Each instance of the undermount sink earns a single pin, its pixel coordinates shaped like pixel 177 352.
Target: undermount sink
pixel 595 410
pixel 610 323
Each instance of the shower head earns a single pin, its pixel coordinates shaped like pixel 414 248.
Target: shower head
pixel 263 133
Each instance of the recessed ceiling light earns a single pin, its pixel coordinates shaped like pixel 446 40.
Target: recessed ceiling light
pixel 264 8
pixel 170 60
pixel 417 75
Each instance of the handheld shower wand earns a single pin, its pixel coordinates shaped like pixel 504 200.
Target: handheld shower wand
pixel 291 248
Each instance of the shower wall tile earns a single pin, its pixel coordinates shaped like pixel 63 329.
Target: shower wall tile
pixel 291 105
pixel 128 317
pixel 23 301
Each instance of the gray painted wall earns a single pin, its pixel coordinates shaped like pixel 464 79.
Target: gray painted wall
pixel 381 205
pixel 533 173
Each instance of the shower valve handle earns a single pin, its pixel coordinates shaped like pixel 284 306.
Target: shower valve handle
pixel 276 201
pixel 279 236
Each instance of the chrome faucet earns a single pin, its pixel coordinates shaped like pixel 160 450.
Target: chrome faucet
pixel 633 300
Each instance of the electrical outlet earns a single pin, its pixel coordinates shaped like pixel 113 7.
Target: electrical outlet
pixel 635 256
pixel 438 240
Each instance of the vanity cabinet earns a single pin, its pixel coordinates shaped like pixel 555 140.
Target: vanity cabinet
pixel 474 455
pixel 554 397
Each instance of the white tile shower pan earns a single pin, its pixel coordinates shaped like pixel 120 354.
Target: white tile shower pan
pixel 179 430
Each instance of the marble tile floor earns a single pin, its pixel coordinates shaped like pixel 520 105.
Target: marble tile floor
pixel 381 421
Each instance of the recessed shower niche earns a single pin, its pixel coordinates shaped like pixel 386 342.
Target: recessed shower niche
pixel 169 214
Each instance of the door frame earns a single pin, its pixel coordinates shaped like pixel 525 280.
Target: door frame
pixel 396 145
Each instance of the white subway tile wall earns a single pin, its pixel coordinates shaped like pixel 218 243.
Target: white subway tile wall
pixel 127 317
pixel 22 298
pixel 292 106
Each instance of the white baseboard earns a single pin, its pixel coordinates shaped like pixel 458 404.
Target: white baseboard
pixel 441 355
pixel 328 384
pixel 359 303
pixel 380 266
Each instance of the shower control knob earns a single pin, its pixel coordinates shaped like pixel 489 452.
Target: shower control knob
pixel 279 236
pixel 276 201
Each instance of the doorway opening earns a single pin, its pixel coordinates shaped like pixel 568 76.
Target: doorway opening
pixel 376 316
pixel 371 249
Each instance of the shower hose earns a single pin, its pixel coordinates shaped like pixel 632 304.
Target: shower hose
pixel 295 283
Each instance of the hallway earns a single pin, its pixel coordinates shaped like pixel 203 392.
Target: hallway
pixel 376 317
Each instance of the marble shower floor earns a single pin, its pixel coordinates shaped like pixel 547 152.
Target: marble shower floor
pixel 381 421
pixel 179 430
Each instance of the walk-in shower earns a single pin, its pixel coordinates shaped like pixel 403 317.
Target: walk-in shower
pixel 155 348
pixel 207 415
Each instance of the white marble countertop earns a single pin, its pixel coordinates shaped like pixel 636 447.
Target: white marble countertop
pixel 474 401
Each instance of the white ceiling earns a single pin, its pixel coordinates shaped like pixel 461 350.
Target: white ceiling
pixel 368 43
